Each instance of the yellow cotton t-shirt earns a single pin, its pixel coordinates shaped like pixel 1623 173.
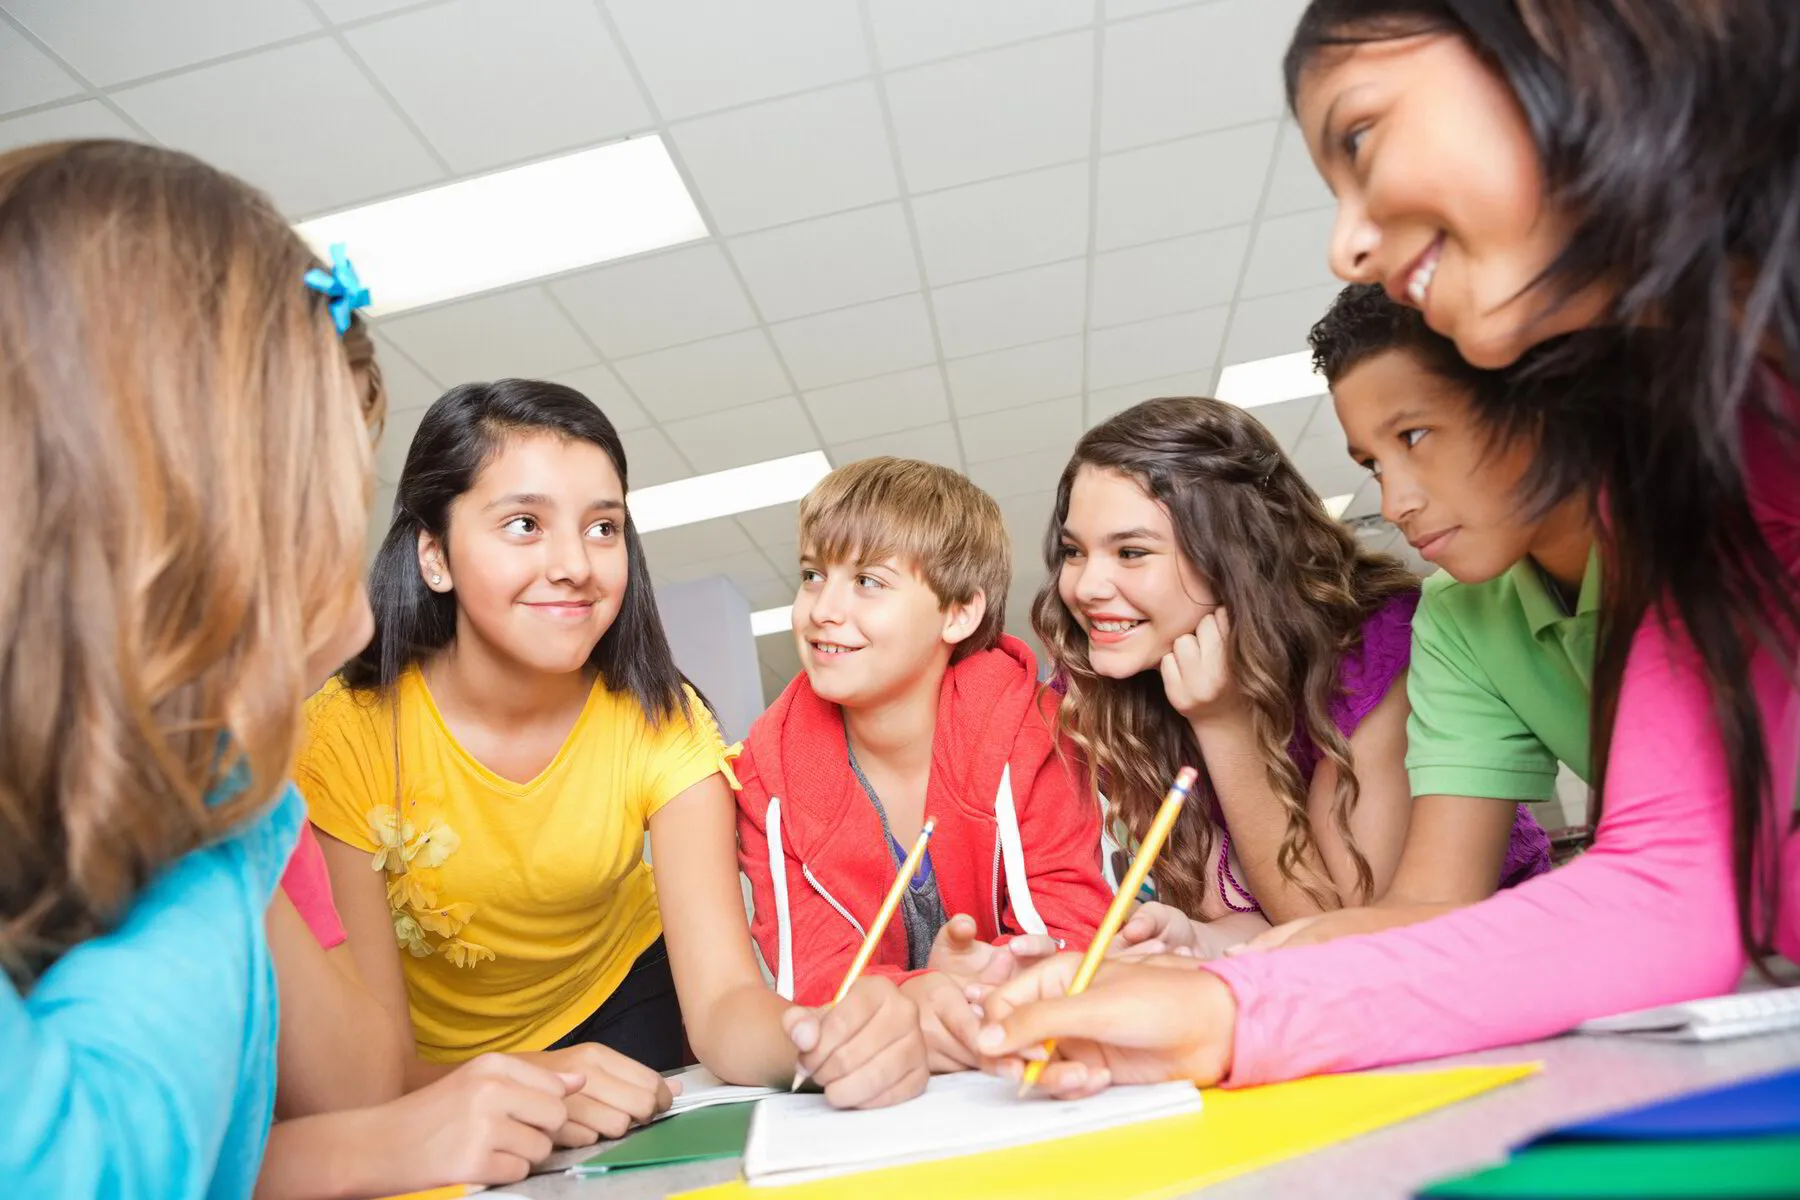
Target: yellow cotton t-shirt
pixel 518 907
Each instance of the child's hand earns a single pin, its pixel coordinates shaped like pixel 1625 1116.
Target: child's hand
pixel 1140 1022
pixel 1196 671
pixel 957 951
pixel 486 1122
pixel 947 1020
pixel 866 1051
pixel 1156 928
pixel 617 1092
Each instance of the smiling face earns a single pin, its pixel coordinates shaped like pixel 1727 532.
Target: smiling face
pixel 1123 575
pixel 1440 191
pixel 869 632
pixel 536 555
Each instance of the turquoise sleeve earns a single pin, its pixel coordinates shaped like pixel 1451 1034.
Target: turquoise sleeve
pixel 141 1064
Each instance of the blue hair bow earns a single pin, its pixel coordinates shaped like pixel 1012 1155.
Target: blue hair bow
pixel 341 284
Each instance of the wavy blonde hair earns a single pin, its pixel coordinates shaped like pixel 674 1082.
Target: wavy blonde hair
pixel 187 485
pixel 1298 587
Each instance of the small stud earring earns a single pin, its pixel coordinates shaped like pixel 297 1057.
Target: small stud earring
pixel 436 579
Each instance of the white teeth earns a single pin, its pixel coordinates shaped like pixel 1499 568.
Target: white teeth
pixel 1116 626
pixel 832 648
pixel 1420 284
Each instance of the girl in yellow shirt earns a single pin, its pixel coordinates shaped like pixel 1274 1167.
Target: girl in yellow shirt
pixel 484 773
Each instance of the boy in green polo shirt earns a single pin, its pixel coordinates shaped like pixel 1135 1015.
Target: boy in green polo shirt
pixel 1503 640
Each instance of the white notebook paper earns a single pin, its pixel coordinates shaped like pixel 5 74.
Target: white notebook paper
pixel 700 1088
pixel 794 1139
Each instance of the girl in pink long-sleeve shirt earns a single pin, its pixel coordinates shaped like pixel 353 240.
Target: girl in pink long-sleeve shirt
pixel 1519 173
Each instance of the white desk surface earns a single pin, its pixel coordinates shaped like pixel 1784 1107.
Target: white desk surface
pixel 1582 1076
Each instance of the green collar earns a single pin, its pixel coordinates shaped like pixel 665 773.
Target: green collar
pixel 1541 607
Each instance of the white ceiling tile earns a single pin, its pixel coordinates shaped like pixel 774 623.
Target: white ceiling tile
pixel 1011 310
pixel 1194 69
pixel 703 377
pixel 340 11
pixel 740 436
pixel 1004 224
pixel 857 343
pixel 1289 420
pixel 1365 501
pixel 1320 458
pixel 1205 182
pixel 1274 325
pixel 828 262
pixel 299 121
pixel 1027 519
pixel 914 31
pixel 786 556
pixel 882 405
pixel 933 443
pixel 88 119
pixel 1290 253
pixel 773 526
pixel 1119 9
pixel 994 114
pixel 110 41
pixel 1031 473
pixel 703 541
pixel 600 385
pixel 647 304
pixel 407 386
pixel 1052 426
pixel 1011 378
pixel 650 459
pixel 786 160
pixel 773 593
pixel 1186 342
pixel 700 55
pixel 1196 271
pixel 396 440
pixel 517 335
pixel 1110 402
pixel 1295 186
pixel 497 81
pixel 28 76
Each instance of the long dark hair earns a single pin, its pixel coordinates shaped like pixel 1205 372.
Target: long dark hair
pixel 1298 586
pixel 458 436
pixel 1670 131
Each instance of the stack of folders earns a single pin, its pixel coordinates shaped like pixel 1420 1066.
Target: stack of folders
pixel 1732 1142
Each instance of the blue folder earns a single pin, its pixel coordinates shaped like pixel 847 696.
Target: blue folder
pixel 1757 1108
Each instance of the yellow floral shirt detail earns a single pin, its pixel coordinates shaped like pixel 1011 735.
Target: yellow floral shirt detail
pixel 410 859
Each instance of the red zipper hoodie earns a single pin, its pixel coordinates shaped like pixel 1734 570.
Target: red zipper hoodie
pixel 1012 818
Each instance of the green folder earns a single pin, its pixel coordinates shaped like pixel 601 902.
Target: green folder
pixel 716 1132
pixel 1728 1168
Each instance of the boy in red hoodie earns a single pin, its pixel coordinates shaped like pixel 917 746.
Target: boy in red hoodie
pixel 913 704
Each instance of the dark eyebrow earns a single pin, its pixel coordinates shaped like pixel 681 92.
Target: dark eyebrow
pixel 1132 535
pixel 539 500
pixel 1387 426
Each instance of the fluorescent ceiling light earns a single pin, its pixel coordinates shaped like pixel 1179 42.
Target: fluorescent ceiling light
pixel 741 489
pixel 1271 380
pixel 772 620
pixel 1335 505
pixel 483 233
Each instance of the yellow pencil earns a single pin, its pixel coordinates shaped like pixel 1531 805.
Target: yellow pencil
pixel 1121 904
pixel 872 939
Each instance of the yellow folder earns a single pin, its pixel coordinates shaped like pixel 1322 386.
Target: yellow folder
pixel 1237 1132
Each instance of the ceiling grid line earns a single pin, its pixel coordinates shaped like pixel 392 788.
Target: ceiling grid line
pixel 627 57
pixel 885 104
